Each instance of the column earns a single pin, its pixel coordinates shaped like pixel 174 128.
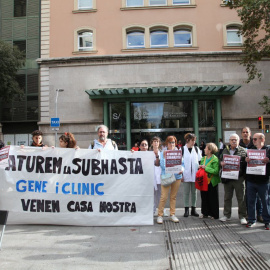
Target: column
pixel 106 114
pixel 128 125
pixel 196 119
pixel 219 119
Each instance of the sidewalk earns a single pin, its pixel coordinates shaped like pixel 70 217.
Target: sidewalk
pixel 145 247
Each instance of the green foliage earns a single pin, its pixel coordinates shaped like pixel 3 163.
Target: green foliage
pixel 255 17
pixel 11 59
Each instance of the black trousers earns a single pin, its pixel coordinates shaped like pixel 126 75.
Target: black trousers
pixel 210 202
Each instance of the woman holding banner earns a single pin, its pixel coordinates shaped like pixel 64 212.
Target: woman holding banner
pixel 173 187
pixel 67 140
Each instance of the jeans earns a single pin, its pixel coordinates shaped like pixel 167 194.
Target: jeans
pixel 263 192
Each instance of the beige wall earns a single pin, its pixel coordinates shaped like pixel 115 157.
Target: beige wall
pixel 208 16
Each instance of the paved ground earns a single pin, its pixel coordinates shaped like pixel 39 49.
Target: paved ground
pixel 192 244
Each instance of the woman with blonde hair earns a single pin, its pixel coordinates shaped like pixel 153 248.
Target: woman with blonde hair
pixel 210 163
pixel 172 188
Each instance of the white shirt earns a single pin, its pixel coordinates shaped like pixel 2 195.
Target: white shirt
pixel 108 145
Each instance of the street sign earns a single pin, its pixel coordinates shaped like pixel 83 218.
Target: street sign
pixel 55 122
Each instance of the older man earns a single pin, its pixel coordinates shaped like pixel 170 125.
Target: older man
pixel 259 184
pixel 247 143
pixel 238 185
pixel 103 142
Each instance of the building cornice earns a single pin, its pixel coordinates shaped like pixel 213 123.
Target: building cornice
pixel 141 58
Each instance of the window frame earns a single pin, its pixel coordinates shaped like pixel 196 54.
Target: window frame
pixel 83 34
pixel 134 32
pixel 183 45
pixel 85 8
pixel 236 26
pixel 159 30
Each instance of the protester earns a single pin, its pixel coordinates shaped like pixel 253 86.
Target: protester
pixel 220 147
pixel 67 140
pixel 156 147
pixel 191 157
pixel 259 184
pixel 202 147
pixel 172 188
pixel 103 142
pixel 238 184
pixel 37 139
pixel 179 144
pixel 135 147
pixel 247 143
pixel 210 203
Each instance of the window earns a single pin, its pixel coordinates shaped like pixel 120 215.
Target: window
pixel 135 39
pixel 181 2
pixel 159 39
pixel 233 36
pixel 85 4
pixel 19 8
pixel 85 41
pixel 134 3
pixel 157 2
pixel 182 38
pixel 21 45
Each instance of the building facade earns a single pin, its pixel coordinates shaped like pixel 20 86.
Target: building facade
pixel 20 26
pixel 145 68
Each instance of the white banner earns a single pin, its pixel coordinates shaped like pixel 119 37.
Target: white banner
pixel 77 187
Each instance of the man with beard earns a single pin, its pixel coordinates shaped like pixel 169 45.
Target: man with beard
pixel 103 142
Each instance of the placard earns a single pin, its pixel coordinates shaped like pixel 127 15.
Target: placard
pixel 232 167
pixel 173 161
pixel 256 165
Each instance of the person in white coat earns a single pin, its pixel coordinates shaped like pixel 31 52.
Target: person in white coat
pixel 191 156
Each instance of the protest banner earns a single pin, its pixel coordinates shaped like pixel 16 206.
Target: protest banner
pixel 256 165
pixel 77 187
pixel 232 167
pixel 173 161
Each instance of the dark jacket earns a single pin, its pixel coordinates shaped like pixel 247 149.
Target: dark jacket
pixel 241 143
pixel 240 151
pixel 260 179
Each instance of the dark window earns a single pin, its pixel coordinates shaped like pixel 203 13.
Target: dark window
pixel 19 8
pixel 21 81
pixel 21 45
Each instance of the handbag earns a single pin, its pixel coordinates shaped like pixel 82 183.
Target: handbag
pixel 167 179
pixel 201 182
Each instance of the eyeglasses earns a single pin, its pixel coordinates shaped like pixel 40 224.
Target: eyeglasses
pixel 233 139
pixel 144 144
pixel 172 142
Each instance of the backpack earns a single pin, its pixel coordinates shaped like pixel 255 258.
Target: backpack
pixel 113 144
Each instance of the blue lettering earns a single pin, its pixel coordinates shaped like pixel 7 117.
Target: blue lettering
pixel 18 187
pixel 96 189
pixel 63 188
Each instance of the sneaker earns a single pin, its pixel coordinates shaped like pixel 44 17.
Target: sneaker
pixel 250 224
pixel 223 219
pixel 174 219
pixel 266 226
pixel 243 221
pixel 159 220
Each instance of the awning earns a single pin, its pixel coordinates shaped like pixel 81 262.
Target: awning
pixel 164 91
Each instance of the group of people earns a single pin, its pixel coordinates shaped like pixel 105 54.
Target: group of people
pixel 252 191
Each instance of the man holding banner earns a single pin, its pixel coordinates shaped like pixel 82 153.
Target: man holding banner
pixel 258 171
pixel 232 179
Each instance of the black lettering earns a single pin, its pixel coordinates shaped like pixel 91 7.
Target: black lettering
pixel 105 166
pixel 131 160
pixel 102 207
pixel 116 207
pixel 90 207
pixel 57 164
pixel 95 167
pixel 138 166
pixel 21 159
pixel 86 169
pixel 69 206
pixel 122 161
pixel 40 205
pixel 83 206
pixel 33 206
pixel 127 205
pixel 67 170
pixel 25 206
pixel 40 161
pixel 113 167
pixel 109 207
pixel 76 162
pixel 55 206
pixel 133 208
pixel 121 206
pixel 48 165
pixel 30 168
pixel 11 163
pixel 48 206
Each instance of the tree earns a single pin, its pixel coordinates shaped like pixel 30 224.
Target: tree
pixel 255 17
pixel 11 59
